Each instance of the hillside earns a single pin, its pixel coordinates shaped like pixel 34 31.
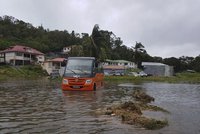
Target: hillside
pixel 102 44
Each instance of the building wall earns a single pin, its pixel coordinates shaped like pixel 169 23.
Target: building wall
pixel 154 70
pixel 9 56
pixel 51 67
pixel 131 65
pixel 48 66
pixel 2 58
pixel 169 70
pixel 40 58
pixel 158 70
pixel 21 56
pixel 128 65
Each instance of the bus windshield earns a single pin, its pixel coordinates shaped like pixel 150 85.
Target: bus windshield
pixel 79 68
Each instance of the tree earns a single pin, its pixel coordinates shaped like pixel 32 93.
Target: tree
pixel 138 52
pixel 101 43
pixel 172 61
pixel 185 62
pixel 196 64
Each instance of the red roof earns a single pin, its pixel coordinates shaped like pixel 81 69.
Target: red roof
pixel 56 60
pixel 23 49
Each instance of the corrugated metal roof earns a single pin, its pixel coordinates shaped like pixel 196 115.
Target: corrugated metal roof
pixel 153 64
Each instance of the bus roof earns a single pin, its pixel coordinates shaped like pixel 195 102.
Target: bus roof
pixel 82 58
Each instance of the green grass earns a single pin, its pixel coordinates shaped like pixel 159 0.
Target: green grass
pixel 179 78
pixel 29 71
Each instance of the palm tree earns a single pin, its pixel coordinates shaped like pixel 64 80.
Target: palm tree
pixel 94 38
pixel 138 51
pixel 99 42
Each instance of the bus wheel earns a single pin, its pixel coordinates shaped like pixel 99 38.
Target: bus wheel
pixel 94 87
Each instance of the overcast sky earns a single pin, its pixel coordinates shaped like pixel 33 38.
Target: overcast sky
pixel 165 27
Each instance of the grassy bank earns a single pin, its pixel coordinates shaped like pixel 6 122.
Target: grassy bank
pixel 33 71
pixel 184 77
pixel 30 71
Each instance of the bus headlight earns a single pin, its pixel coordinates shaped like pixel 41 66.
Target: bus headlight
pixel 88 81
pixel 65 81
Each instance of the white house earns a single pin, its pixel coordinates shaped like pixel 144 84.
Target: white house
pixel 22 55
pixel 126 64
pixel 54 66
pixel 67 49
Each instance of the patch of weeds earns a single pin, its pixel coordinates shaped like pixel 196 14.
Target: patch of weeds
pixel 131 112
pixel 152 108
pixel 141 96
pixel 153 124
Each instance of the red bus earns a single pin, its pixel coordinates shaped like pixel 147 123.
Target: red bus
pixel 82 73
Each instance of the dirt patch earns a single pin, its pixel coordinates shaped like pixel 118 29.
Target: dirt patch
pixel 141 96
pixel 131 112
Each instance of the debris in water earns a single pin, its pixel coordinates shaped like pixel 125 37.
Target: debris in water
pixel 141 96
pixel 131 112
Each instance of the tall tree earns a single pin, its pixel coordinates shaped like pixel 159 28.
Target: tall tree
pixel 138 52
pixel 196 63
pixel 172 61
pixel 100 41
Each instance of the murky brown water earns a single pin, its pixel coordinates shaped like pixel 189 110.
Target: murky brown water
pixel 40 106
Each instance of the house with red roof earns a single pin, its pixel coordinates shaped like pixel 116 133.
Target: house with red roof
pixel 54 66
pixel 21 55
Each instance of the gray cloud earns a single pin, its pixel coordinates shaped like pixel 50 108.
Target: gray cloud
pixel 166 28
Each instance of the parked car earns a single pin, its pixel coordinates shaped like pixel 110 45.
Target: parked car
pixel 118 74
pixel 142 74
pixel 136 74
pixel 133 74
pixel 106 74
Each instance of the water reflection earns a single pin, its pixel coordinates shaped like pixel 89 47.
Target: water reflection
pixel 40 106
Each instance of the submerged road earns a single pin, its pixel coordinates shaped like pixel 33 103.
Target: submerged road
pixel 40 106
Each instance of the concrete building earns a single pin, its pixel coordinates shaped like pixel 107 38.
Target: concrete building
pixel 114 70
pixel 54 66
pixel 21 55
pixel 124 63
pixel 157 69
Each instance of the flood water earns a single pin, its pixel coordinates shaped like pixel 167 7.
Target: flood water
pixel 41 107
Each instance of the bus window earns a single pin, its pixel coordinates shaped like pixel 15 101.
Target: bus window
pixel 82 73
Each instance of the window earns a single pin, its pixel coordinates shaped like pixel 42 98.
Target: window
pixel 18 54
pixel 27 55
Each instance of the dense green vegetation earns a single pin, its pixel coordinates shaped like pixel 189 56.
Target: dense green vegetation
pixel 102 44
